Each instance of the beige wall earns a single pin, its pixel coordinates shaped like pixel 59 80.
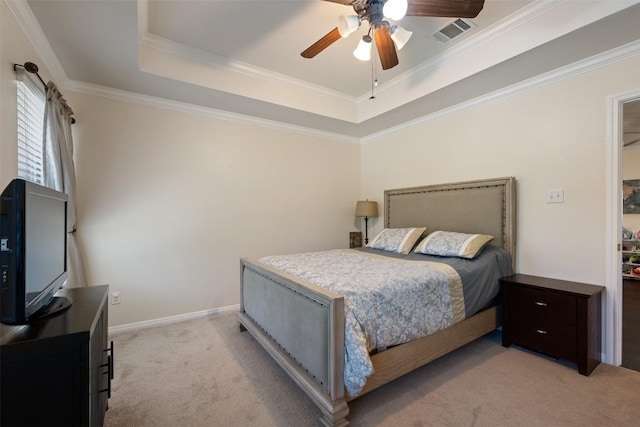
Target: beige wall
pixel 631 170
pixel 169 202
pixel 548 138
pixel 552 137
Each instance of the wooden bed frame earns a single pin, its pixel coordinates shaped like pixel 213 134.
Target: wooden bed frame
pixel 302 325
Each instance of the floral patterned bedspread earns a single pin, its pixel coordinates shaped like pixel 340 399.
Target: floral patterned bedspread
pixel 388 301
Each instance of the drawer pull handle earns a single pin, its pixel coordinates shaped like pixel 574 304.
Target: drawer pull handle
pixel 541 304
pixel 108 365
pixel 541 331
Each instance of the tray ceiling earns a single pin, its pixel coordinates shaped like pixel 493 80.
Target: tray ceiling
pixel 243 57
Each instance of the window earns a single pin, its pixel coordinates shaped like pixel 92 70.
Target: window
pixel 31 101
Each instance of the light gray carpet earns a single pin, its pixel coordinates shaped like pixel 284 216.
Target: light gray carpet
pixel 205 372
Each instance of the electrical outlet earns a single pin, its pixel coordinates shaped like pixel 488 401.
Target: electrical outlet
pixel 115 297
pixel 555 196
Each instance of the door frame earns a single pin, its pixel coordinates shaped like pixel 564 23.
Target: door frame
pixel 612 319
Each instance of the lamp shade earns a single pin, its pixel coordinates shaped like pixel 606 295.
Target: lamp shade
pixel 400 36
pixel 347 24
pixel 363 51
pixel 367 208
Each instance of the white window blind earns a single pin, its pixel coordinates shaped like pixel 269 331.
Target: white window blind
pixel 31 100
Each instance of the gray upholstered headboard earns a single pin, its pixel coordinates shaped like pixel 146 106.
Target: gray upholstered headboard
pixel 483 206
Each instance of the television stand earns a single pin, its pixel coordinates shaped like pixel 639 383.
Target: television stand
pixel 57 370
pixel 57 304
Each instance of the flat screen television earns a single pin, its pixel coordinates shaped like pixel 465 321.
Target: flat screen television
pixel 33 251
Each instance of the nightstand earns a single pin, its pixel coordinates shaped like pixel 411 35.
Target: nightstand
pixel 554 317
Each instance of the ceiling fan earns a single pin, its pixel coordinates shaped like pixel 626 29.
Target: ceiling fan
pixel 386 35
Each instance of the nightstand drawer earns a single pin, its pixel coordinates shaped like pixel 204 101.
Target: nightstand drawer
pixel 542 305
pixel 552 338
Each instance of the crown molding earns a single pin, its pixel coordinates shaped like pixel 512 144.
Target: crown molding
pixel 36 36
pixel 153 101
pixel 603 59
pixel 31 27
pixel 156 51
pixel 153 41
pixel 538 23
pixel 607 58
pixel 480 38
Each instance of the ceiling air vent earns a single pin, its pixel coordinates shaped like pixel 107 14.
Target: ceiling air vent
pixel 453 30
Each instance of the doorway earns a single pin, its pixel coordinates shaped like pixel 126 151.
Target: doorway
pixel 630 162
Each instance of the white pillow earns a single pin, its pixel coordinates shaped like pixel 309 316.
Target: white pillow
pixel 399 240
pixel 450 243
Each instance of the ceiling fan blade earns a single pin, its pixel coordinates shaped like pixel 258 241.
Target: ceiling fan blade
pixel 345 2
pixel 445 8
pixel 386 48
pixel 321 44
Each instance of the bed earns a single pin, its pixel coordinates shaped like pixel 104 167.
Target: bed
pixel 302 325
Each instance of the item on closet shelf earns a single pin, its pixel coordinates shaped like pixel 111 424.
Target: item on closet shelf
pixel 635 271
pixel 633 258
pixel 627 234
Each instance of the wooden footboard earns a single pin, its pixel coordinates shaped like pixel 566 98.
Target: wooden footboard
pixel 302 327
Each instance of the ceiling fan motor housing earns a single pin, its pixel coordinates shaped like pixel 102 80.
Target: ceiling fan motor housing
pixel 371 10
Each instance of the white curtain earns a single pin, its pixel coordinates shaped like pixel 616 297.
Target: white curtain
pixel 59 173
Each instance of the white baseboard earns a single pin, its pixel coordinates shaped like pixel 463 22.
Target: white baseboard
pixel 171 319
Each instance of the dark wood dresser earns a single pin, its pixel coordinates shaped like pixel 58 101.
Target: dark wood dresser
pixel 57 371
pixel 555 317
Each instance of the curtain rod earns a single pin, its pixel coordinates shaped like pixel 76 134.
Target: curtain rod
pixel 32 68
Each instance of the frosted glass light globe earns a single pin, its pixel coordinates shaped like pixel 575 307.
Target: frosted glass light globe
pixel 363 51
pixel 395 9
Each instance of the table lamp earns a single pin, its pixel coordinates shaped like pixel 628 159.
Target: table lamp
pixel 366 209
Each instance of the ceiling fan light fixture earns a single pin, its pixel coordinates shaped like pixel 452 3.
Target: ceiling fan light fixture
pixel 363 51
pixel 395 9
pixel 400 36
pixel 348 24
